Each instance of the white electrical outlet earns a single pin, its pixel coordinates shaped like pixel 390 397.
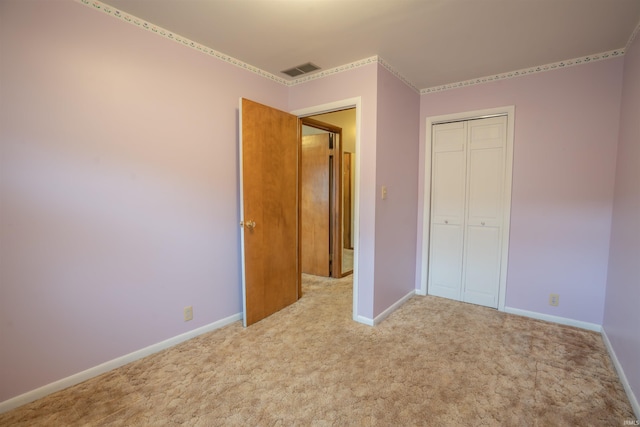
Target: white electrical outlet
pixel 554 300
pixel 188 313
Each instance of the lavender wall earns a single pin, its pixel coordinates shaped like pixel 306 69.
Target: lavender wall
pixel 118 148
pixel 119 189
pixel 358 82
pixel 563 173
pixel 621 315
pixel 397 144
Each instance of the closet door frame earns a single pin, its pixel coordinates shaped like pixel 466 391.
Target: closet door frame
pixel 508 111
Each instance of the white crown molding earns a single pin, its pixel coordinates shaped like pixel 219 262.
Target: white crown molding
pixel 399 76
pixel 336 70
pixel 526 71
pixel 140 23
pixel 351 66
pixel 632 37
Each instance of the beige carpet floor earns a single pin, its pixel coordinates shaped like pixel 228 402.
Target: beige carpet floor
pixel 433 362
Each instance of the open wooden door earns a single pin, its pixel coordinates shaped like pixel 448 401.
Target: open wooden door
pixel 269 160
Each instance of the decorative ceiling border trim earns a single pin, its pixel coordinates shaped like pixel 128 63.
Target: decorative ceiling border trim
pixel 141 23
pixel 336 70
pixel 351 66
pixel 526 71
pixel 399 76
pixel 632 37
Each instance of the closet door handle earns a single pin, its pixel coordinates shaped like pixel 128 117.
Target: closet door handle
pixel 482 223
pixel 446 221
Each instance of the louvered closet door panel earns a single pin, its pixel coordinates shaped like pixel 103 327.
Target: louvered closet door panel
pixel 483 223
pixel 447 210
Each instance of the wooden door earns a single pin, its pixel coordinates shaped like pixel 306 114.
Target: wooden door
pixel 486 154
pixel 315 208
pixel 269 156
pixel 447 210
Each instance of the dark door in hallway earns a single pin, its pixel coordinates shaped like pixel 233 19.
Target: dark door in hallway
pixel 315 205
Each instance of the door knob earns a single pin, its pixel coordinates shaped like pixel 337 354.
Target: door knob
pixel 248 224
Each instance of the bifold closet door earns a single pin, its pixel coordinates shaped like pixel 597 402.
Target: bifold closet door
pixel 486 150
pixel 447 209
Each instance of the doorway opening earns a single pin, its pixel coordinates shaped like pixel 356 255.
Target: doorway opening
pixel 345 114
pixel 327 184
pixel 320 199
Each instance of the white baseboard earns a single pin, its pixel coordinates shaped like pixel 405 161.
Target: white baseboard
pixel 621 374
pixel 63 383
pixel 365 320
pixel 555 319
pixel 380 317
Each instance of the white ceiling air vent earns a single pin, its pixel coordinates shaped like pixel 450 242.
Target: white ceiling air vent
pixel 301 69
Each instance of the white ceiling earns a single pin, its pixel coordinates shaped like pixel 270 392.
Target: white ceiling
pixel 429 42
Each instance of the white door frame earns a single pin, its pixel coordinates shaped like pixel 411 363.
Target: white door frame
pixel 509 111
pixel 328 108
